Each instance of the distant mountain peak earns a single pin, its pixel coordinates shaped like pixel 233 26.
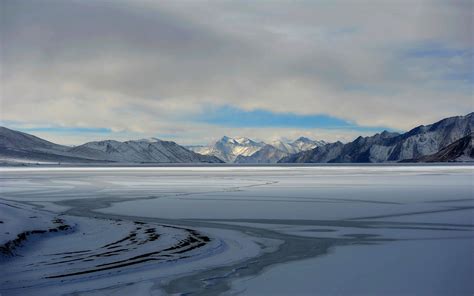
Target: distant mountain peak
pixel 148 140
pixel 236 149
pixel 243 140
pixel 303 139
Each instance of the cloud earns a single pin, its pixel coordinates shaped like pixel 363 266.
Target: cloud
pixel 147 68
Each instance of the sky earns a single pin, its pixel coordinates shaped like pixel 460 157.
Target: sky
pixel 192 71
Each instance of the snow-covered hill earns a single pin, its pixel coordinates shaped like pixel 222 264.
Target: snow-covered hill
pixel 12 139
pixel 392 147
pixel 143 151
pixel 16 146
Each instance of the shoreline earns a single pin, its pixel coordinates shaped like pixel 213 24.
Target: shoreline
pixel 4 166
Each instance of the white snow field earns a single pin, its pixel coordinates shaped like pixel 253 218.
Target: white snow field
pixel 313 230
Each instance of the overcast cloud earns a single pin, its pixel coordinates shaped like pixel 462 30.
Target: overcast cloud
pixel 154 68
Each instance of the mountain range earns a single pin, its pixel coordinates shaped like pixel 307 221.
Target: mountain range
pixel 449 139
pixel 414 145
pixel 228 149
pixel 244 150
pixel 21 147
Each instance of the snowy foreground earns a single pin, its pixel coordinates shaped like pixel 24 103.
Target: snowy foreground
pixel 237 230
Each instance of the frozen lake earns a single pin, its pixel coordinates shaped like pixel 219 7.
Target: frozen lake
pixel 345 230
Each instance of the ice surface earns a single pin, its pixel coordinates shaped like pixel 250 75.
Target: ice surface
pixel 16 218
pixel 335 230
pixel 413 267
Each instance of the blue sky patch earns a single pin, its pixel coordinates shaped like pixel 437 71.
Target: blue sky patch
pixel 435 50
pixel 234 117
pixel 76 130
pixel 56 129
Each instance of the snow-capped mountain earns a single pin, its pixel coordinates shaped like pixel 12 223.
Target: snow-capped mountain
pixel 285 147
pixel 303 144
pixel 275 151
pixel 300 144
pixel 240 150
pixel 268 154
pixel 228 148
pixel 22 147
pixel 392 147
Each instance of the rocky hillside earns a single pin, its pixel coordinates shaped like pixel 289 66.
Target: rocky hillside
pixel 391 147
pixel 459 151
